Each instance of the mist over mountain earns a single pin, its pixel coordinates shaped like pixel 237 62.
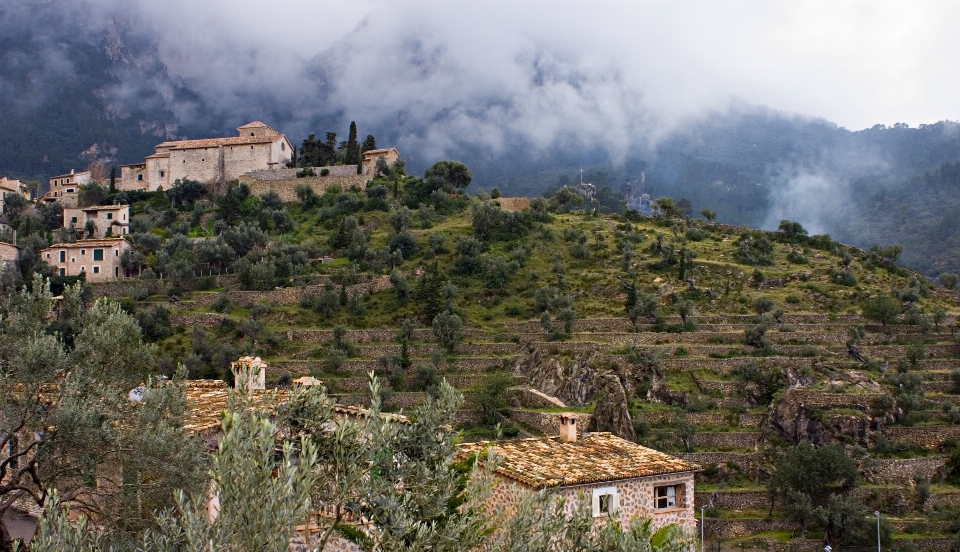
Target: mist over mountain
pixel 524 103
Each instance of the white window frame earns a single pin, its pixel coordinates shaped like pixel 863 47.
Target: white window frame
pixel 614 500
pixel 673 492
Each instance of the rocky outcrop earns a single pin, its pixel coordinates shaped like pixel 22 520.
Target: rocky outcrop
pixel 573 383
pixel 580 380
pixel 611 412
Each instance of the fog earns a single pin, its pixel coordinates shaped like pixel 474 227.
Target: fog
pixel 620 74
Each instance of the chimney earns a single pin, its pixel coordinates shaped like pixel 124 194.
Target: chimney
pixel 71 171
pixel 568 427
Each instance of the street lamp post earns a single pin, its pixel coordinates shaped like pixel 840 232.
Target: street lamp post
pixel 877 514
pixel 702 549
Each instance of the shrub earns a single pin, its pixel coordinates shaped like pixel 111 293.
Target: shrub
pixel 324 172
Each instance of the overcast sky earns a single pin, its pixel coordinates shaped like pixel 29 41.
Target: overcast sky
pixel 856 63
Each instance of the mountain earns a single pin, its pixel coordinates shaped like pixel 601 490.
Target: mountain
pixel 92 86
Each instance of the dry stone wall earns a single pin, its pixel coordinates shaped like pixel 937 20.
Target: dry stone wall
pixel 902 470
pixel 260 183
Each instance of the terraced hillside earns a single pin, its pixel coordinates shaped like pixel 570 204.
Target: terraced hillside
pixel 726 345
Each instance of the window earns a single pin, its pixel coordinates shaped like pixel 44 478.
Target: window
pixel 667 497
pixel 109 216
pixel 161 174
pixel 96 270
pixel 83 251
pixel 139 177
pixel 98 254
pixel 63 256
pixel 124 216
pixel 73 219
pixel 116 252
pixel 63 272
pixel 606 501
pixel 116 272
pixel 283 147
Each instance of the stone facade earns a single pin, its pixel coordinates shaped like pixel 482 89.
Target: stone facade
pixel 369 163
pixel 9 254
pixel 213 160
pixel 12 186
pixel 65 188
pixel 98 259
pixel 635 496
pixel 108 219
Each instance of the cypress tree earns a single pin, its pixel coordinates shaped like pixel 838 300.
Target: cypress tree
pixel 353 147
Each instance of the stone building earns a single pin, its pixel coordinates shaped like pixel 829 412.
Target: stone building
pixel 65 188
pixel 108 219
pixel 12 186
pixel 619 477
pixel 9 254
pixel 390 155
pixel 211 160
pixel 98 258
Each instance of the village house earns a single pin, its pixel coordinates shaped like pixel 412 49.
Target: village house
pixel 9 255
pixel 108 220
pixel 65 188
pixel 618 477
pixel 369 164
pixel 210 160
pixel 99 259
pixel 12 186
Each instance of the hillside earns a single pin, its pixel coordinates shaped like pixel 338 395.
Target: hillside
pixel 526 313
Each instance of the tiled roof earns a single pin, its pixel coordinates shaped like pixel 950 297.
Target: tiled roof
pixel 256 124
pixel 207 399
pixel 594 457
pixel 378 151
pixel 104 242
pixel 104 208
pixel 158 155
pixel 217 142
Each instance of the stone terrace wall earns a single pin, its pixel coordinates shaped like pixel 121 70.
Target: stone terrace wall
pixel 923 436
pixel 120 288
pixel 902 470
pixel 196 319
pixel 285 182
pixel 285 296
pixel 707 458
pixel 726 440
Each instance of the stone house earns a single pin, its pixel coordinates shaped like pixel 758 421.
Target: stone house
pixel 618 477
pixel 211 160
pixel 369 164
pixel 65 188
pixel 98 258
pixel 12 186
pixel 9 255
pixel 108 219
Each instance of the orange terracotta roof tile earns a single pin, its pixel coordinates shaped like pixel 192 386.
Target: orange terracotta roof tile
pixel 594 457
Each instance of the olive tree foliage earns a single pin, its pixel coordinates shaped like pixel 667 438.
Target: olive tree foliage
pixel 448 175
pixel 68 422
pixel 400 475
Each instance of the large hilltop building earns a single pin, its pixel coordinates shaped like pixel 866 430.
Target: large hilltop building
pixel 212 160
